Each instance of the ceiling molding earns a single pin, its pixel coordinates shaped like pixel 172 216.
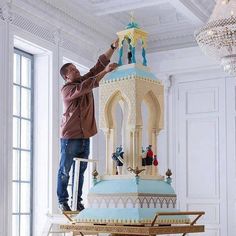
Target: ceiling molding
pixel 91 25
pixel 36 26
pixel 190 11
pixel 124 6
pixel 171 42
pixel 62 19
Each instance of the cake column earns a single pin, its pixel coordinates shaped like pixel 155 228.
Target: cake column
pixel 139 147
pixel 154 148
pixel 110 146
pixel 135 147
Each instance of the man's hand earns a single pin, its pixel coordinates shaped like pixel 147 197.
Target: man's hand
pixel 112 49
pixel 111 67
pixel 115 43
pixel 107 69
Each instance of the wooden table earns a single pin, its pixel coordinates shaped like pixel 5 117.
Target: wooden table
pixel 136 229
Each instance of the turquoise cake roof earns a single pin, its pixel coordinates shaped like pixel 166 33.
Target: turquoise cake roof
pixel 127 71
pixel 129 186
pixel 132 25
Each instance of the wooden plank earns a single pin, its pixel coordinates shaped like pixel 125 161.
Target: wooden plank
pixel 132 230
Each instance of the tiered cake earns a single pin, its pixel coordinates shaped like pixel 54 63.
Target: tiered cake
pixel 135 196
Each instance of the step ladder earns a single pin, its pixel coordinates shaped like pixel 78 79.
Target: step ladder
pixel 55 220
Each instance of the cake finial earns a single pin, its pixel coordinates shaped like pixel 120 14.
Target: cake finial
pixel 132 23
pixel 135 171
pixel 95 174
pixel 168 174
pixel 131 16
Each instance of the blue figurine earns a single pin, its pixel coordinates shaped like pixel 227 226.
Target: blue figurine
pixel 118 158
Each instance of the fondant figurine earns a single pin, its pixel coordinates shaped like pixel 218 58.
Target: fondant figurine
pixel 129 52
pixel 118 158
pixel 149 157
pixel 149 160
pixel 144 154
pixel 155 161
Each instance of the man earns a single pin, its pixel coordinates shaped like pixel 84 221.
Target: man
pixel 78 122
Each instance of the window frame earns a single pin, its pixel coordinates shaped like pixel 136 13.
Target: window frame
pixel 31 148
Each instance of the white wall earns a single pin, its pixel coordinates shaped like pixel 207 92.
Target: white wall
pixel 198 142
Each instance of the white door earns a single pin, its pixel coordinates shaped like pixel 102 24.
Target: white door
pixel 201 154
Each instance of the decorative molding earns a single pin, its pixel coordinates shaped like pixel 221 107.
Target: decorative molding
pixel 211 96
pixel 6 13
pixel 52 34
pixel 132 230
pixel 211 124
pixel 190 10
pixel 5 122
pixel 33 20
pixel 167 82
pixel 91 30
pixel 118 6
pixel 132 201
pixel 172 41
pixel 65 19
pixel 57 36
pixel 33 28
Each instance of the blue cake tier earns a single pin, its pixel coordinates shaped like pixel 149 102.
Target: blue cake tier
pixel 121 186
pixel 129 216
pixel 132 193
pixel 130 201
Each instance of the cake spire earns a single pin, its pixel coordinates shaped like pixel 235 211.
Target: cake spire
pixel 132 23
pixel 132 34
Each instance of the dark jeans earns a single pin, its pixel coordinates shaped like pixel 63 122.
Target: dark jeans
pixel 71 148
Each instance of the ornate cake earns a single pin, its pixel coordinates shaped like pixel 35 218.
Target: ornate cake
pixel 132 191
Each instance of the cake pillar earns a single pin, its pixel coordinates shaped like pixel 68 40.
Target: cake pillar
pixel 134 160
pixel 139 148
pixel 133 147
pixel 144 44
pixel 154 148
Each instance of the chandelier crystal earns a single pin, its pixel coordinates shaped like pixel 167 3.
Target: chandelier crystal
pixel 218 37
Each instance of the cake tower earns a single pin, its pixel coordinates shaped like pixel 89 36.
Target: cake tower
pixel 130 85
pixel 135 195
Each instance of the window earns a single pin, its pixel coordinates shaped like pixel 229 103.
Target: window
pixel 22 144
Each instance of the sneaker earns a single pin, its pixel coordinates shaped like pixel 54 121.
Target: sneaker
pixel 80 206
pixel 64 207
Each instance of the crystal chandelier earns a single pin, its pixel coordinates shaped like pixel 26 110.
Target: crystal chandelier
pixel 218 37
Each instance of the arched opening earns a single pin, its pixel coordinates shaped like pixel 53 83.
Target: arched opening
pixel 119 124
pixel 138 52
pixel 145 115
pixel 116 118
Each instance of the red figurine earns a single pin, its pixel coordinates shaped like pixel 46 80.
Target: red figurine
pixel 155 161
